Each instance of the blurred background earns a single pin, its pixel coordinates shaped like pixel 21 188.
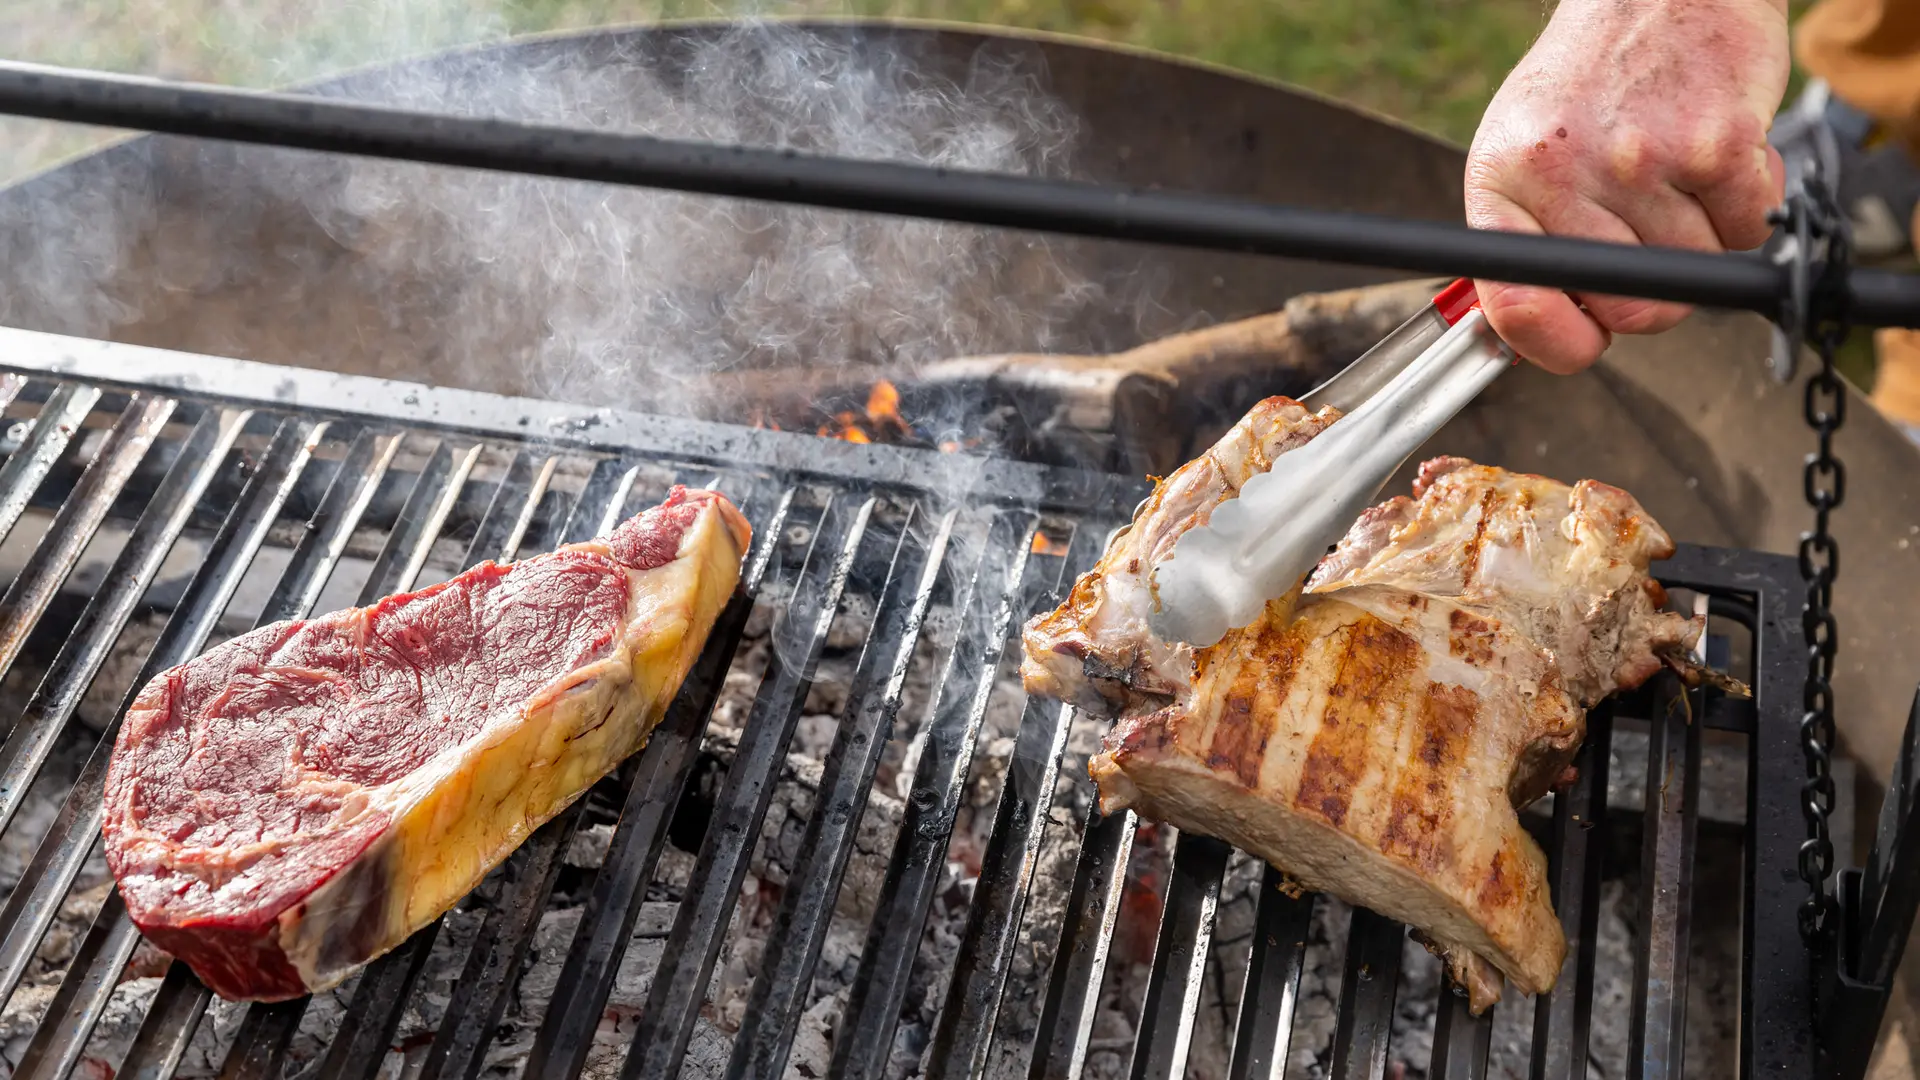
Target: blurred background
pixel 1432 63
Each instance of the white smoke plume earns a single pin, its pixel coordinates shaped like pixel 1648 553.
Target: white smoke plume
pixel 581 292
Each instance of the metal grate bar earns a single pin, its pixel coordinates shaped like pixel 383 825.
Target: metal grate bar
pixel 167 1030
pixel 1179 957
pixel 510 511
pixel 260 1046
pixel 386 985
pixel 1462 1042
pixel 606 923
pixel 1776 970
pixel 1265 1026
pixel 331 527
pixel 446 409
pixel 1080 960
pixel 66 409
pixel 966 1025
pixel 1374 946
pixel 35 898
pixel 202 456
pixel 480 997
pixel 413 536
pixel 779 994
pixel 75 832
pixel 966 1022
pixel 177 1007
pixel 58 1043
pixel 366 1028
pixel 940 775
pixel 622 487
pixel 1657 1038
pixel 1561 1018
pixel 78 518
pixel 679 987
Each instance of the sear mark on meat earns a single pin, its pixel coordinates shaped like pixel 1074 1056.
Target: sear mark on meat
pixel 1374 733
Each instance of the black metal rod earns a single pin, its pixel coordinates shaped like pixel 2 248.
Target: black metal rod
pixel 1563 1016
pixel 881 984
pixel 606 922
pixel 679 985
pixel 1080 959
pixel 311 123
pixel 1167 1014
pixel 1656 1045
pixel 1264 1029
pixel 1367 988
pixel 779 996
pixel 965 1032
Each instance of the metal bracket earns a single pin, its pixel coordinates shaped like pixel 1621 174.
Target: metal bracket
pixel 1875 914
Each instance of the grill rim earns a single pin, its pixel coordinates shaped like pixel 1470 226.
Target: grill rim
pixel 476 413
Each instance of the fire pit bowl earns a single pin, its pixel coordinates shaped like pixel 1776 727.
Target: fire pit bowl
pixel 815 862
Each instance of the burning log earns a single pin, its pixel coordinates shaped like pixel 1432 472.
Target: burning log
pixel 1143 410
pixel 1202 379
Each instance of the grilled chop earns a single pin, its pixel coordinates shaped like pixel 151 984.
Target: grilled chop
pixel 290 805
pixel 1374 733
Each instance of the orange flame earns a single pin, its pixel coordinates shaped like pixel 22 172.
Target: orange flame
pixel 845 427
pixel 1047 545
pixel 882 417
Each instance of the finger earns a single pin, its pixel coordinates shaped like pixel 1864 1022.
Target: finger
pixel 1544 325
pixel 1737 202
pixel 1582 217
pixel 1664 216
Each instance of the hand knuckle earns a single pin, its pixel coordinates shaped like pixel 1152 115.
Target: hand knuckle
pixel 1637 158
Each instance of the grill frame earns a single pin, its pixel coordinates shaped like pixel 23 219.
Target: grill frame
pixel 302 408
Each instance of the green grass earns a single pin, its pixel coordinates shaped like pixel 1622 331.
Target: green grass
pixel 1433 63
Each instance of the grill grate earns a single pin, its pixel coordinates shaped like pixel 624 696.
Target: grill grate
pixel 246 461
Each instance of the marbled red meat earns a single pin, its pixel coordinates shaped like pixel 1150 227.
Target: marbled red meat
pixel 265 778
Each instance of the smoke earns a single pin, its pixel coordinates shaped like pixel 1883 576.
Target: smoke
pixel 581 292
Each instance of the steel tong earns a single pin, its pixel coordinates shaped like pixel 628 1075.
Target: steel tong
pixel 1258 545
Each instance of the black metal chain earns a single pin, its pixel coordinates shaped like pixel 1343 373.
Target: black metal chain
pixel 1817 313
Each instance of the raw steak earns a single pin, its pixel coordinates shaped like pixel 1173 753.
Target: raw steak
pixel 296 802
pixel 1374 732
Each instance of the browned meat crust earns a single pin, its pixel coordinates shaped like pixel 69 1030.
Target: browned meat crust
pixel 1374 732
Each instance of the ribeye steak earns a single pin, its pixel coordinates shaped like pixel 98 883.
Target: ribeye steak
pixel 299 800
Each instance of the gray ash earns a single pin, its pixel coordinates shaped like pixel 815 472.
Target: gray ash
pixel 1712 1012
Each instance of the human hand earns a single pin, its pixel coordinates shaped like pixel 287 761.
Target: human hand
pixel 1637 122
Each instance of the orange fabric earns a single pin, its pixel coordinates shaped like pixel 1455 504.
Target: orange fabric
pixel 1896 380
pixel 1896 374
pixel 1869 52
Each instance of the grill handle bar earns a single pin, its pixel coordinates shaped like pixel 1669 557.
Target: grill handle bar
pixel 1742 281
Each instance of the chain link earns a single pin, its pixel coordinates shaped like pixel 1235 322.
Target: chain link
pixel 1818 310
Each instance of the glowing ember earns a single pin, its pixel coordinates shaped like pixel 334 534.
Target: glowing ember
pixel 1047 545
pixel 880 421
pixel 883 408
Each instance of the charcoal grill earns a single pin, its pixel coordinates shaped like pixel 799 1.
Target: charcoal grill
pixel 261 473
pixel 254 458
